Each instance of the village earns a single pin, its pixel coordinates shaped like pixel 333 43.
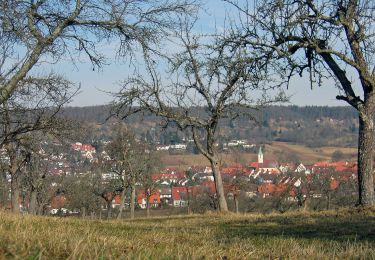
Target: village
pixel 294 183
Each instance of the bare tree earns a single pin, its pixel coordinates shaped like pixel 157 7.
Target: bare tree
pixel 48 30
pixel 151 163
pixel 33 108
pixel 327 39
pixel 130 160
pixel 218 81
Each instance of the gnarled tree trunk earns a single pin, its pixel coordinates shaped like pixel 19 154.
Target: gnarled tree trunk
pixel 33 201
pixel 365 157
pixel 15 193
pixel 219 185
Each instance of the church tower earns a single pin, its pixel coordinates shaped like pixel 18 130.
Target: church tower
pixel 260 155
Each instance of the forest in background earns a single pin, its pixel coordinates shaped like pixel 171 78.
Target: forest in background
pixel 313 126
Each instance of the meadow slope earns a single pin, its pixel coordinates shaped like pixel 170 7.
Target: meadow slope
pixel 306 154
pixel 348 233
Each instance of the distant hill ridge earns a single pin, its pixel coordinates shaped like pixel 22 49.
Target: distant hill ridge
pixel 312 126
pixel 101 112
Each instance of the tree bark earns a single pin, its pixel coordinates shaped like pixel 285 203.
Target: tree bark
pixel 223 206
pixel 15 193
pixel 132 201
pixel 83 212
pixel 109 209
pixel 122 204
pixel 147 207
pixel 33 202
pixel 40 210
pixel 236 203
pixel 306 203
pixel 210 153
pixel 188 201
pixel 365 157
pixel 329 201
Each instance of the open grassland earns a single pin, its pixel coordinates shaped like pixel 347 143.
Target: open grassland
pixel 311 155
pixel 342 234
pixel 306 154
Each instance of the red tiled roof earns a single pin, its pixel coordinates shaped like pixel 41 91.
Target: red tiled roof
pixel 83 147
pixel 334 184
pixel 265 164
pixel 270 188
pixel 176 192
pixel 155 196
pixel 58 201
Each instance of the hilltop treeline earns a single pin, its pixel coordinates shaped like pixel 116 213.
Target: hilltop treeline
pixel 313 126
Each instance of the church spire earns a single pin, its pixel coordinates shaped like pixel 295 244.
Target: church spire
pixel 260 155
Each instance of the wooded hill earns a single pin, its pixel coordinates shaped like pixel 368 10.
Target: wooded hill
pixel 312 126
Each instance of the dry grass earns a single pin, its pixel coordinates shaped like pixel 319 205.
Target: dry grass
pixel 183 161
pixel 306 154
pixel 311 155
pixel 328 235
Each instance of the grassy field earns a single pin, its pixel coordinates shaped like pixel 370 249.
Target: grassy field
pixel 343 234
pixel 306 154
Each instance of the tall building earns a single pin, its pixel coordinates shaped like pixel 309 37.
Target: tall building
pixel 260 155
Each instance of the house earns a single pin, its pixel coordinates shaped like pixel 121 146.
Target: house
pixel 166 195
pixel 168 176
pixel 179 147
pixel 234 170
pixel 116 201
pixel 83 147
pixel 250 190
pixel 302 169
pixel 264 166
pixel 336 166
pixel 269 189
pixel 58 201
pixel 180 196
pixel 153 200
pixel 162 147
pixel 200 173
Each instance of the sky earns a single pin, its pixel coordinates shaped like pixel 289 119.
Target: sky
pixel 97 84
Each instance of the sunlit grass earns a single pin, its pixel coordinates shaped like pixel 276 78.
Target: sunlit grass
pixel 328 235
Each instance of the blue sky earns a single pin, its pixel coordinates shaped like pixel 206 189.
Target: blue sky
pixel 94 84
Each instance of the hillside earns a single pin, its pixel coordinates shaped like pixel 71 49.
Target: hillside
pixel 340 234
pixel 309 126
pixel 276 150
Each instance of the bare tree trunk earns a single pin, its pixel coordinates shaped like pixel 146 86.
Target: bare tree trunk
pixel 122 204
pixel 306 203
pixel 109 209
pixel 148 207
pixel 15 193
pixel 223 206
pixel 132 201
pixel 329 200
pixel 236 202
pixel 365 158
pixel 33 201
pixel 83 212
pixel 39 210
pixel 188 201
